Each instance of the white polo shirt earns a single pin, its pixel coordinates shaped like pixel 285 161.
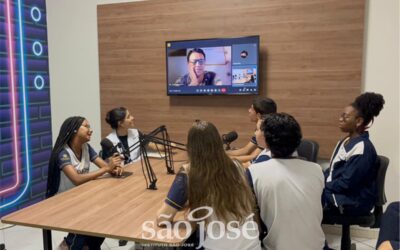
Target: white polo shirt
pixel 288 193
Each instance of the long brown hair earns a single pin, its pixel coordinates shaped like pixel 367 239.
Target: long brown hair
pixel 214 179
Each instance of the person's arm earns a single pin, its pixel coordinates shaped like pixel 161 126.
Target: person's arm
pixel 175 200
pixel 155 147
pixel 78 179
pixel 115 160
pixel 166 214
pixel 245 159
pixel 250 147
pixel 385 246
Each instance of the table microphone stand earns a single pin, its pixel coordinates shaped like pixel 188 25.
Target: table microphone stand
pixel 168 154
pixel 149 174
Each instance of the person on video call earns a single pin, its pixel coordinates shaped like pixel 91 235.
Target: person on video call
pixel 197 76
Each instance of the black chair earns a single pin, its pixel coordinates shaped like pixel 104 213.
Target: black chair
pixel 308 149
pixel 372 220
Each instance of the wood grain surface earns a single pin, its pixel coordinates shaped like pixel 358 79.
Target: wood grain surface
pixel 311 54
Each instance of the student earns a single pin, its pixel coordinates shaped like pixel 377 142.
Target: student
pixel 122 123
pixel 288 190
pixel 350 180
pixel 260 107
pixel 213 180
pixel 265 154
pixel 69 166
pixel 124 132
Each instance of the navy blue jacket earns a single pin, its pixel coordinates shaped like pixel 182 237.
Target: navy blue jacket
pixel 350 181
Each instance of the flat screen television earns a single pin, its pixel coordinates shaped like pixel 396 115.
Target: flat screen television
pixel 220 66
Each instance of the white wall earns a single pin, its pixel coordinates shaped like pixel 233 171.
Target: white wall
pixel 74 62
pixel 381 74
pixel 74 71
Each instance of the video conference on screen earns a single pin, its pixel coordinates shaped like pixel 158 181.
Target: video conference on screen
pixel 228 69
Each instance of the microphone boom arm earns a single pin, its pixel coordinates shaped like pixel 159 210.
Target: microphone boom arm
pixel 165 141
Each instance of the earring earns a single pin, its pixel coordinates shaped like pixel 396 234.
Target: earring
pixel 75 131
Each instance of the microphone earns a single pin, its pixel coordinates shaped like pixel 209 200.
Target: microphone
pixel 228 138
pixel 109 148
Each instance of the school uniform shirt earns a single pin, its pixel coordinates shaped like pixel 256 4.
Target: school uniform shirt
pixel 177 194
pixel 177 198
pixel 264 155
pixel 133 139
pixel 288 193
pixel 68 157
pixel 350 179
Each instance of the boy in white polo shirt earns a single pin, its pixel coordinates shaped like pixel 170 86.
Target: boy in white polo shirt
pixel 288 190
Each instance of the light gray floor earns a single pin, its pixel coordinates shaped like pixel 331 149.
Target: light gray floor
pixel 27 238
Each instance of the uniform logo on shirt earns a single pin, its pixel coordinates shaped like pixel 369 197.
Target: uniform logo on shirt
pixel 65 157
pixel 83 171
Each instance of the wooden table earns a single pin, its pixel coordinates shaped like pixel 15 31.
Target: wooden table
pixel 106 207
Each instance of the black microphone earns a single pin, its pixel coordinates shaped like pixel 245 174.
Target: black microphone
pixel 228 138
pixel 109 149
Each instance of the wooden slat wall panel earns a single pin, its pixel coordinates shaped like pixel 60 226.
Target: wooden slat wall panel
pixel 310 61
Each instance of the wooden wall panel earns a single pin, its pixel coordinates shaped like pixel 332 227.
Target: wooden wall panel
pixel 310 61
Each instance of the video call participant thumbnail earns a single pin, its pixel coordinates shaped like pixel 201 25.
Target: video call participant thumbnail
pixel 197 75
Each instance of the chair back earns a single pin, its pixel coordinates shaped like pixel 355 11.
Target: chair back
pixel 308 149
pixel 383 162
pixel 380 180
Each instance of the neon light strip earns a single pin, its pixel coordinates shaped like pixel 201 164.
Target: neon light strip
pixel 14 105
pixel 27 149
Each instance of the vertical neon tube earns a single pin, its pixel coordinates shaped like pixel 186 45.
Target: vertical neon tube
pixel 24 104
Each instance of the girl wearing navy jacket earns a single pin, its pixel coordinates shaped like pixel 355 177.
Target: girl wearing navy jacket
pixel 350 186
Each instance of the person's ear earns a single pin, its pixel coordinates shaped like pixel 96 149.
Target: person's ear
pixel 359 121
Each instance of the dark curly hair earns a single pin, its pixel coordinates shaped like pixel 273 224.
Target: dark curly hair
pixel 114 116
pixel 368 106
pixel 282 134
pixel 264 105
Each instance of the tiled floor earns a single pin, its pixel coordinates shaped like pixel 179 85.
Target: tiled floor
pixel 361 243
pixel 26 238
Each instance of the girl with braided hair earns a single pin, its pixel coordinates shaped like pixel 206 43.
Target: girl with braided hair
pixel 350 180
pixel 69 166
